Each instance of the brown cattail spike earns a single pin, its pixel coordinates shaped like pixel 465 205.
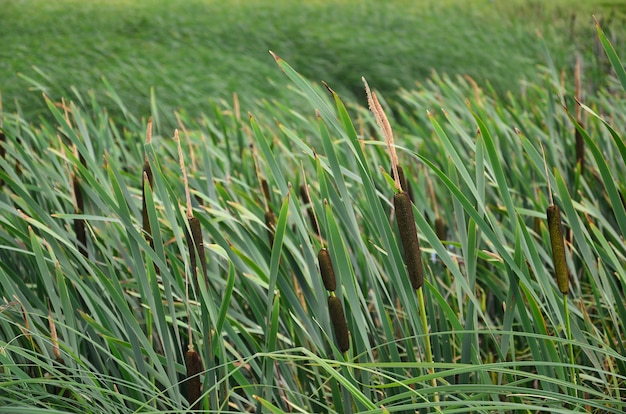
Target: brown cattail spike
pixel 338 319
pixel 306 199
pixel 270 222
pixel 148 178
pixel 79 224
pixel 197 243
pixel 580 142
pixel 408 236
pixel 265 188
pixel 326 269
pixel 558 248
pixel 193 363
pixel 440 228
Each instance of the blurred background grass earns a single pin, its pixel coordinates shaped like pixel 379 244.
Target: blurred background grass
pixel 196 50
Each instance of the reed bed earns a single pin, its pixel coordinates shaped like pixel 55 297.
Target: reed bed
pixel 257 329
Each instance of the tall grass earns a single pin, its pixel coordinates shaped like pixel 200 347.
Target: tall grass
pixel 501 333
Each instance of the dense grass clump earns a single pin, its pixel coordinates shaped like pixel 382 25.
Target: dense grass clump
pixel 174 298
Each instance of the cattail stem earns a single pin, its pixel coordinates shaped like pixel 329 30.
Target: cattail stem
pixel 568 329
pixel 427 348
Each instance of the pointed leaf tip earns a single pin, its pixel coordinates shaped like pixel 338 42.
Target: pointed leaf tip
pixel 328 88
pixel 275 56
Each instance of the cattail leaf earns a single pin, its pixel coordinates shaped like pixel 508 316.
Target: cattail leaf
pixel 616 63
pixel 79 223
pixel 263 144
pixel 270 223
pixel 558 248
pixel 338 319
pixel 410 241
pixel 608 179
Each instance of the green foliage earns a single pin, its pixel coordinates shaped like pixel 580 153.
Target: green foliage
pixel 105 327
pixel 193 50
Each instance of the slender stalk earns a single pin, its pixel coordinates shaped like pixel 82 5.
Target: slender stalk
pixel 568 332
pixel 427 349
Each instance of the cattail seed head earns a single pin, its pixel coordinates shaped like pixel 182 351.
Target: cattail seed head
pixel 198 243
pixel 265 188
pixel 558 248
pixel 79 224
pixel 193 363
pixel 270 222
pixel 408 236
pixel 149 178
pixel 440 228
pixel 338 319
pixel 326 269
pixel 580 150
pixel 304 195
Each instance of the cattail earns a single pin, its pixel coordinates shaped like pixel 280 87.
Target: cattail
pixel 440 228
pixel 270 222
pixel 338 319
pixel 193 363
pixel 404 183
pixel 326 269
pixel 56 351
pixel 306 199
pixel 558 248
pixel 265 188
pixel 580 142
pixel 194 239
pixel 79 224
pixel 147 175
pixel 408 236
pixel 196 246
pixel 148 178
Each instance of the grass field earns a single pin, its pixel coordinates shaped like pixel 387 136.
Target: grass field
pixel 263 257
pixel 195 51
